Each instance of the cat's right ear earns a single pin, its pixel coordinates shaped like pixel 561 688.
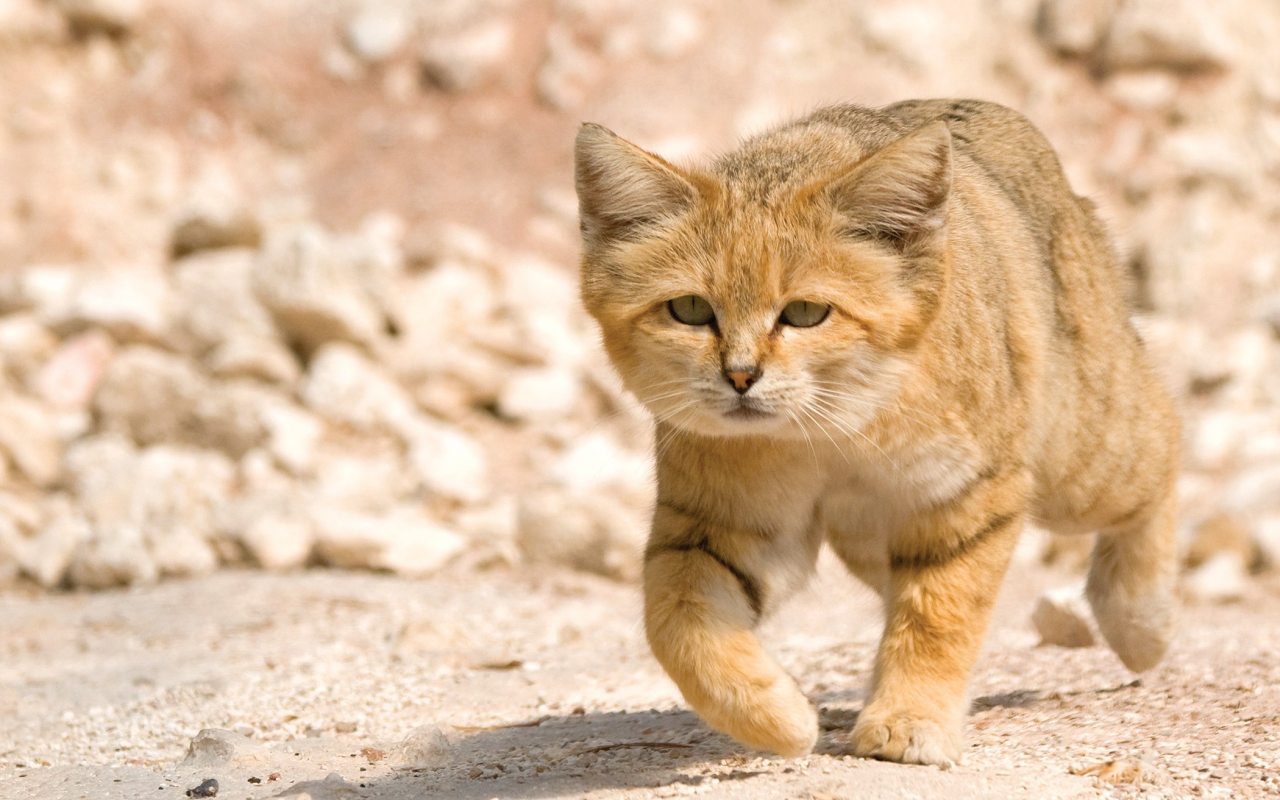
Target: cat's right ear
pixel 623 189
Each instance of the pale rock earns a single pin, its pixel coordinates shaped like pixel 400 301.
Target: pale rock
pixel 431 309
pixel 212 747
pixel 262 359
pixel 597 463
pixel 110 17
pixel 1221 579
pixel 404 541
pixel 540 394
pixel 313 290
pixel 1061 617
pixel 432 245
pixel 470 58
pixel 109 559
pixel 449 463
pixel 543 299
pixel 333 787
pixel 46 556
pixel 673 31
pixel 293 435
pixel 25 345
pixel 132 305
pixel 376 255
pixel 29 438
pixel 214 216
pixel 1074 27
pixel 279 541
pixel 345 386
pixel 424 748
pixel 1148 90
pixel 595 533
pixel 1266 538
pixel 1218 435
pixel 568 70
pixel 491 531
pixel 374 33
pixel 164 497
pixel 1220 533
pixel 1253 490
pixel 1166 34
pixel 10 545
pixel 342 64
pixel 1071 552
pixel 370 481
pixel 72 374
pixel 153 396
pixel 41 288
pixel 182 553
pixel 222 320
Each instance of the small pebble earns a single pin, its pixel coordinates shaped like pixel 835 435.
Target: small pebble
pixel 207 788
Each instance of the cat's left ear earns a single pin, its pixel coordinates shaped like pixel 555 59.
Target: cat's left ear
pixel 899 194
pixel 623 189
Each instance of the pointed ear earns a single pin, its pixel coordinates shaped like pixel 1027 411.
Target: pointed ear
pixel 898 194
pixel 622 188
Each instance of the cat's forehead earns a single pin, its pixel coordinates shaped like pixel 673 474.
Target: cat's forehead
pixel 779 163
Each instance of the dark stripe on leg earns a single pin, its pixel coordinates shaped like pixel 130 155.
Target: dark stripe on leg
pixel 750 589
pixel 932 559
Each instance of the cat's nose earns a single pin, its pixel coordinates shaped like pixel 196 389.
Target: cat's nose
pixel 741 378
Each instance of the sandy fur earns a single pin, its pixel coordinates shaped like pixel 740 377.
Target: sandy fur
pixel 978 369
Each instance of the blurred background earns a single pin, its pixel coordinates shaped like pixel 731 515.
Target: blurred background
pixel 289 283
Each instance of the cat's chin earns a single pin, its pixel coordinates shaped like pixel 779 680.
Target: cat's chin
pixel 740 422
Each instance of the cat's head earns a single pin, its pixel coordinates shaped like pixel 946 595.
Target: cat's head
pixel 779 292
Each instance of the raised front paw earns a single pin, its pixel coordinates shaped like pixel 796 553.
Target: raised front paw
pixel 906 738
pixel 777 718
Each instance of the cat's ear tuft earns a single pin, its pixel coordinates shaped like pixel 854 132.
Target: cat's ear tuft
pixel 898 194
pixel 622 188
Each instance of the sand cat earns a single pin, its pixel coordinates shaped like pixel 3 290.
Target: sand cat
pixel 897 331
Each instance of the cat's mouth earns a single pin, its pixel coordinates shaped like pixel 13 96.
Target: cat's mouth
pixel 746 412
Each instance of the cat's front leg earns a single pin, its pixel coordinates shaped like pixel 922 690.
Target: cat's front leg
pixel 945 570
pixel 705 589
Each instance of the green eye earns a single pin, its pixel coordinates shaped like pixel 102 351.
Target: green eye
pixel 691 310
pixel 804 313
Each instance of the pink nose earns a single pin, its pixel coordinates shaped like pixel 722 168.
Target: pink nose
pixel 741 378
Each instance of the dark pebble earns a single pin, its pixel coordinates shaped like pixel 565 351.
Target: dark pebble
pixel 207 788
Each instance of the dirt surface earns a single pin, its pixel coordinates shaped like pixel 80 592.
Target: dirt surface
pixel 540 685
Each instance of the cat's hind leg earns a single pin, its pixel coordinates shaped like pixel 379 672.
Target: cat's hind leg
pixel 1132 579
pixel 705 589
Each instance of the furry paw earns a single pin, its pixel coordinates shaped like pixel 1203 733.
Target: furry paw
pixel 780 719
pixel 900 737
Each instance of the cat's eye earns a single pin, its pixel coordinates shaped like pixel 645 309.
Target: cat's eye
pixel 691 310
pixel 804 313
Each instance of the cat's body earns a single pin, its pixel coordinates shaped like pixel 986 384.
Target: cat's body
pixel 971 366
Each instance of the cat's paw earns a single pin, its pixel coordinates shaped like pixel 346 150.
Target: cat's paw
pixel 907 739
pixel 780 719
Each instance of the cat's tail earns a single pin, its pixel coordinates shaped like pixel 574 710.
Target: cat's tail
pixel 1132 580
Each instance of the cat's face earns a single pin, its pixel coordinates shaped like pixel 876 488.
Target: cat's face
pixel 732 317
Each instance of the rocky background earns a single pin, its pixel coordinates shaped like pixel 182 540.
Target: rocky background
pixel 288 283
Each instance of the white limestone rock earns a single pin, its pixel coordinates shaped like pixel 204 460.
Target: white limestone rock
pixel 1062 618
pixel 375 32
pixel 540 394
pixel 313 290
pixel 470 58
pixel 29 439
pixel 1221 579
pixel 404 541
pixel 345 386
pixel 449 463
pixel 594 533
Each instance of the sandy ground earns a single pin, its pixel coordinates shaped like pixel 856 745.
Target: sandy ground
pixel 531 685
